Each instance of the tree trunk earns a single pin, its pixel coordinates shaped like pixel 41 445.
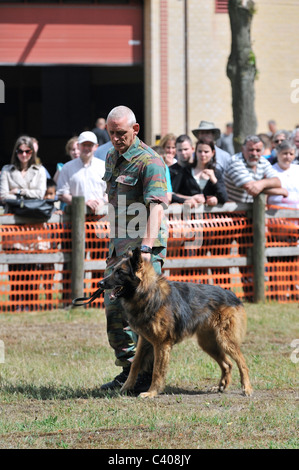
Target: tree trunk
pixel 241 70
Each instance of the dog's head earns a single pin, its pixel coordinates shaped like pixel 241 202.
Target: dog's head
pixel 123 280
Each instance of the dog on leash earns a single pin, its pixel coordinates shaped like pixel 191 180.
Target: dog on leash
pixel 164 313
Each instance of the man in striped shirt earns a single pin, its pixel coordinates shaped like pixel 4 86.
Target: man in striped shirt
pixel 249 173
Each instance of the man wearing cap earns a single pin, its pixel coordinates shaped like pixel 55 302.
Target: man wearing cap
pixel 208 129
pixel 83 176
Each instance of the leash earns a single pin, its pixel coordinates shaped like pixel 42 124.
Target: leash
pixel 88 300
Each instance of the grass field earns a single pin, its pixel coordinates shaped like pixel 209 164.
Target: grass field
pixel 55 362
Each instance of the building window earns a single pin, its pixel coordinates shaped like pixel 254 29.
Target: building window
pixel 221 6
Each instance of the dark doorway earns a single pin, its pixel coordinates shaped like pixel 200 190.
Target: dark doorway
pixel 53 103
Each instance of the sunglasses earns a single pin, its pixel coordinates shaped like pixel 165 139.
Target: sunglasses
pixel 20 152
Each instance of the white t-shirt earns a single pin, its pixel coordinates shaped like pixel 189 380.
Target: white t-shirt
pixel 78 179
pixel 290 181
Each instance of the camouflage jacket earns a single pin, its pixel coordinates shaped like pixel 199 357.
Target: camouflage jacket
pixel 134 180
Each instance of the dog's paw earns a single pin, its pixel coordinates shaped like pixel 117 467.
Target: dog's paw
pixel 248 391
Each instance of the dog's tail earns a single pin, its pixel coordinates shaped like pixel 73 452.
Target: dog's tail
pixel 239 323
pixel 233 323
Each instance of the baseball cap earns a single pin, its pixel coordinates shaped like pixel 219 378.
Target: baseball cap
pixel 87 136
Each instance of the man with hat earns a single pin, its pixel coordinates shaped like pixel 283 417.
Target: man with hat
pixel 208 130
pixel 83 176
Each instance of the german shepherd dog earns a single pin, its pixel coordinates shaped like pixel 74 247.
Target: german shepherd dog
pixel 164 313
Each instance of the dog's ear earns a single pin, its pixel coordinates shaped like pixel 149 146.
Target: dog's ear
pixel 136 259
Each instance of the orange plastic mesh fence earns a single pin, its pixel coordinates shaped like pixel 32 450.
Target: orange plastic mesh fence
pixel 282 232
pixel 97 248
pixel 38 285
pixel 238 280
pixel 50 238
pixel 282 279
pixel 96 240
pixel 34 286
pixel 213 235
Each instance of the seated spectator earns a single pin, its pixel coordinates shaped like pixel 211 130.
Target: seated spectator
pixel 272 126
pixel 168 144
pixel 159 150
pixel 184 151
pixel 72 151
pixel 208 130
pixel 100 131
pixel 288 173
pixel 83 176
pixel 102 150
pixel 203 183
pixel 249 173
pixel 277 138
pixel 185 158
pixel 295 140
pixel 267 145
pixel 226 140
pixel 23 177
pixel 51 195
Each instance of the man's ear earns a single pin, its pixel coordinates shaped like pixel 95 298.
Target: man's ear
pixel 136 128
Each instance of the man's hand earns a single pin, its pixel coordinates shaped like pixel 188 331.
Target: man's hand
pixel 94 205
pixel 254 187
pixel 211 201
pixel 195 200
pixel 14 191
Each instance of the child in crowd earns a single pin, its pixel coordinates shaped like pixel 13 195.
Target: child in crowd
pixel 51 195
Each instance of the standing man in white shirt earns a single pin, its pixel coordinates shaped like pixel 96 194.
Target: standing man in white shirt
pixel 83 176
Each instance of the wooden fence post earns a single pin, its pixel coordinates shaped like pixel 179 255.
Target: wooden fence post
pixel 78 246
pixel 258 249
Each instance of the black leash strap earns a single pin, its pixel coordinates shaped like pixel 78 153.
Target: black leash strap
pixel 87 300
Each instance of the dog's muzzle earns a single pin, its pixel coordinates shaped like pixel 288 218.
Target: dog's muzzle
pixel 116 292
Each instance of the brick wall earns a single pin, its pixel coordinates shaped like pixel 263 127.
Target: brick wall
pixel 208 90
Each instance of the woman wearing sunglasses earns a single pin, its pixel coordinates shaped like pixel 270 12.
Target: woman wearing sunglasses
pixel 23 177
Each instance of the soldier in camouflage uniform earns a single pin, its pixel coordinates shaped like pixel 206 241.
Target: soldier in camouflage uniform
pixel 136 182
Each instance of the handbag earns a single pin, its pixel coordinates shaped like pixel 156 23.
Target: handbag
pixel 32 208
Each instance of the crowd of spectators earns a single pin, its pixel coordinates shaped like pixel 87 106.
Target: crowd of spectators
pixel 205 171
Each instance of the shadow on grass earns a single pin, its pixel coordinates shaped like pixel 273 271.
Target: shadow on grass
pixel 49 392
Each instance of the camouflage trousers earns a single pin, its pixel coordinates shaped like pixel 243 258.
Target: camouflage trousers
pixel 120 336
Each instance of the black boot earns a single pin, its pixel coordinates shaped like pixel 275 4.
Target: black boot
pixel 118 381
